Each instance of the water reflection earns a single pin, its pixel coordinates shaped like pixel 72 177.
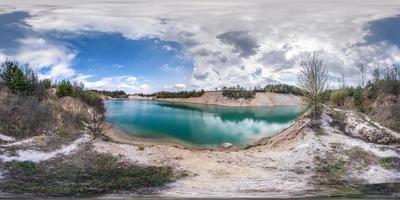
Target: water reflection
pixel 198 124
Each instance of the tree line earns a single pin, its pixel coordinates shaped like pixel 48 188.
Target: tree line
pixel 181 94
pixel 113 94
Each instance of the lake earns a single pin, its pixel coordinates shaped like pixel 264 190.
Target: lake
pixel 200 125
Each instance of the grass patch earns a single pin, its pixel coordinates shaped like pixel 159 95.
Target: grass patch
pixel 380 188
pixel 89 174
pixel 390 163
pixel 141 147
pixel 330 172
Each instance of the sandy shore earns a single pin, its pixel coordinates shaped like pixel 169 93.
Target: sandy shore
pixel 119 136
pixel 216 98
pixel 284 165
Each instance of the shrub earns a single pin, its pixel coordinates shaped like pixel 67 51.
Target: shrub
pixel 391 82
pixel 24 116
pixel 391 86
pixel 338 97
pixel 46 83
pixel 65 88
pixel 282 88
pixel 91 98
pixel 358 99
pixel 237 93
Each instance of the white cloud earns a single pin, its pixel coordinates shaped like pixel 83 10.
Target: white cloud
pixel 175 87
pixel 168 48
pixel 168 68
pixel 42 54
pixel 289 27
pixel 118 65
pixel 126 83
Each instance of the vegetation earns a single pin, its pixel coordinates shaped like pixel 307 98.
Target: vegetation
pixel 237 92
pixel 338 97
pixel 358 98
pixel 96 126
pixel 379 97
pixel 24 116
pixel 230 92
pixel 182 94
pixel 65 88
pixel 81 175
pixel 21 80
pixel 145 95
pixel 313 78
pixel 27 110
pixel 281 88
pixel 390 162
pixel 113 94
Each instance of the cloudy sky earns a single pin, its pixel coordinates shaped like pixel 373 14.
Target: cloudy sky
pixel 149 45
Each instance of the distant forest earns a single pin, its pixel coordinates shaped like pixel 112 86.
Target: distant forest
pixel 230 92
pixel 113 94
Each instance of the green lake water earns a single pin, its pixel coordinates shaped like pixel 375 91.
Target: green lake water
pixel 201 125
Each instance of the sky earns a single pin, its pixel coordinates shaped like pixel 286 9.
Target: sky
pixel 143 46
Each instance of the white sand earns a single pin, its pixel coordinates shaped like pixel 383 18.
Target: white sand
pixel 37 156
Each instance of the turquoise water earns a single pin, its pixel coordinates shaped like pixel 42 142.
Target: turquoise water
pixel 198 124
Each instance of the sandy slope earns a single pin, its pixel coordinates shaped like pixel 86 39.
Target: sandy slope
pixel 216 98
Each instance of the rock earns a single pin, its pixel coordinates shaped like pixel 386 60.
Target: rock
pixel 227 145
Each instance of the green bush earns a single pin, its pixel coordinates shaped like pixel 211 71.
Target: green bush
pixel 282 88
pixel 46 83
pixel 338 97
pixel 237 93
pixel 358 98
pixel 65 88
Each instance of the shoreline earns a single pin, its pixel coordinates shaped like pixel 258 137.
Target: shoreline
pixel 265 99
pixel 117 135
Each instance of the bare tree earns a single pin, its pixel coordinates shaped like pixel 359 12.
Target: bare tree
pixel 343 83
pixel 376 74
pixel 313 80
pixel 96 126
pixel 361 67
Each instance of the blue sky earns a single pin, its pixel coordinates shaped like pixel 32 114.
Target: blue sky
pixel 149 60
pixel 147 46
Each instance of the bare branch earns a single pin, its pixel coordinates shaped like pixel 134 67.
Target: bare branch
pixel 313 80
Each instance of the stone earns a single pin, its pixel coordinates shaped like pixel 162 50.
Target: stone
pixel 227 145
